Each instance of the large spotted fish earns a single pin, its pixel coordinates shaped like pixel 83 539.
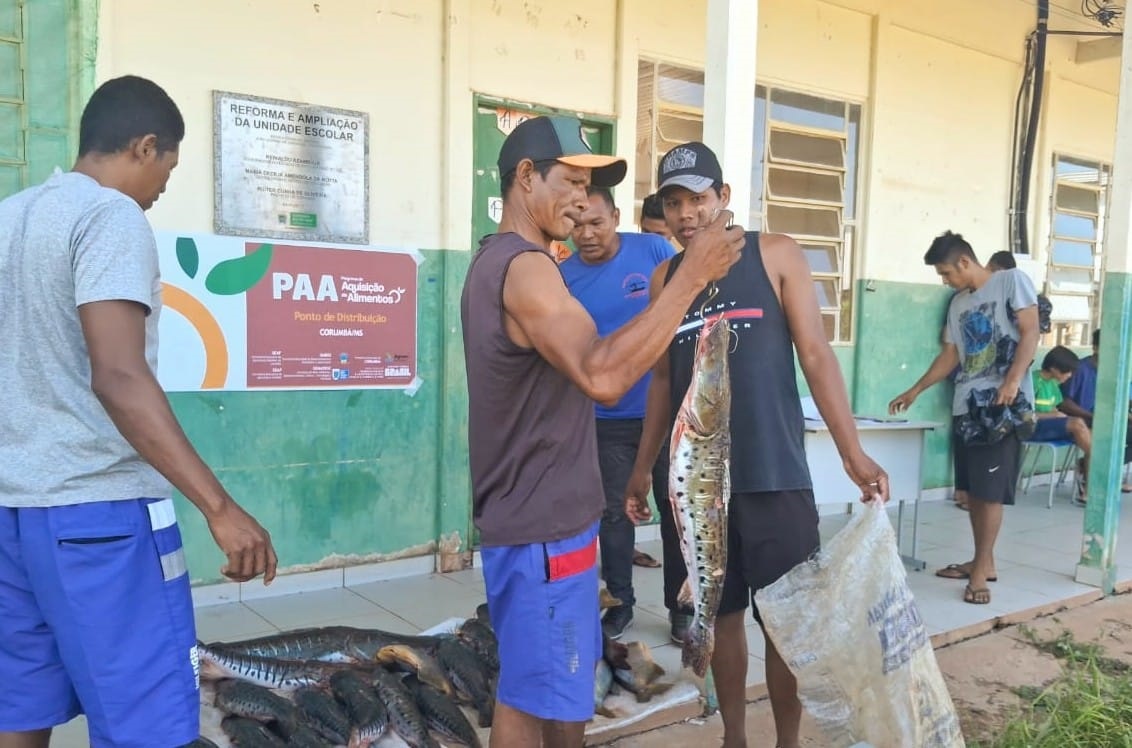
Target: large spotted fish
pixel 700 486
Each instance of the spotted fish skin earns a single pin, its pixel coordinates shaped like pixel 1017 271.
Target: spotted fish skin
pixel 468 675
pixel 244 699
pixel 405 717
pixel 247 733
pixel 480 638
pixel 442 715
pixel 369 719
pixel 323 714
pixel 700 486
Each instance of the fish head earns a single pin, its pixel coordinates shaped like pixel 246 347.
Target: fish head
pixel 711 406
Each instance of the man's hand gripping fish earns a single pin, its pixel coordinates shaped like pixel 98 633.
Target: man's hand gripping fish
pixel 700 486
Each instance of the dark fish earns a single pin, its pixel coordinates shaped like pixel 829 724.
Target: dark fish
pixel 482 640
pixel 329 644
pixel 369 719
pixel 482 614
pixel 324 714
pixel 247 733
pixel 442 715
pixel 467 673
pixel 405 718
pixel 281 675
pixel 325 645
pixel 243 699
pixel 420 662
pixel 302 737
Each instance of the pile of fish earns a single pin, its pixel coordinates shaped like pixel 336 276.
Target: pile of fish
pixel 629 666
pixel 339 685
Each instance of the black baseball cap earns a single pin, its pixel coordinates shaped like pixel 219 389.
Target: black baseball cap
pixel 559 139
pixel 692 166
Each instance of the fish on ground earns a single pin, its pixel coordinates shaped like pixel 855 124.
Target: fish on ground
pixel 426 666
pixel 468 675
pixel 247 733
pixel 442 715
pixel 369 719
pixel 323 714
pixel 405 717
pixel 243 699
pixel 281 675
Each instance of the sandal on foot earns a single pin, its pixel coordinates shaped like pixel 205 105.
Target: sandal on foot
pixel 640 558
pixel 956 571
pixel 976 596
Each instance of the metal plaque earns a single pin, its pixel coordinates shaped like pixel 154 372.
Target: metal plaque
pixel 288 170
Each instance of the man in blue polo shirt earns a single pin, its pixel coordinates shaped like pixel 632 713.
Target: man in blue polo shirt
pixel 609 274
pixel 1079 395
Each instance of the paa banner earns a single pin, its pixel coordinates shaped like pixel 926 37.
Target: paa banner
pixel 258 314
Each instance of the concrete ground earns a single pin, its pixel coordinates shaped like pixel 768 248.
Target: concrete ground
pixel 981 673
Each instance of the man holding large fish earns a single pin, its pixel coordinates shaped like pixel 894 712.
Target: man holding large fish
pixel 535 366
pixel 746 523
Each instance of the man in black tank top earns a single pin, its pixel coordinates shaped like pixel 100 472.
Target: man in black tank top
pixel 535 366
pixel 769 298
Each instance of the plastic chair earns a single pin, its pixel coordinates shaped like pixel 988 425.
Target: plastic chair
pixel 1035 447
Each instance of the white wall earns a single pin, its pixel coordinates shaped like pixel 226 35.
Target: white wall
pixel 937 81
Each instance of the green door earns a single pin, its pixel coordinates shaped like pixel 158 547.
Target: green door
pixel 494 119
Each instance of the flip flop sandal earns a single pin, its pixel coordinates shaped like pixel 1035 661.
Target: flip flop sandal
pixel 640 558
pixel 956 571
pixel 976 597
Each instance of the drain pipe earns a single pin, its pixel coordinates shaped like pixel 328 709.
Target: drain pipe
pixel 1020 242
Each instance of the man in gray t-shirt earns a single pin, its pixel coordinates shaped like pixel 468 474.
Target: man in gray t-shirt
pixel 991 334
pixel 96 614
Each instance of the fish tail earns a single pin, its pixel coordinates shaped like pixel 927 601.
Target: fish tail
pixel 699 643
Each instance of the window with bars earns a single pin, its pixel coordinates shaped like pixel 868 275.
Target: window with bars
pixel 803 173
pixel 13 157
pixel 1073 259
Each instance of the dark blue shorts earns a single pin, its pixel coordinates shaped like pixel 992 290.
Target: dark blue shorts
pixel 96 618
pixel 542 599
pixel 1051 430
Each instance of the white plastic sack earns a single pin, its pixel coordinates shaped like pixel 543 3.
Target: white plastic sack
pixel 848 628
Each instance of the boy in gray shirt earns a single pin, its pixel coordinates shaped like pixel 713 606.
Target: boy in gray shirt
pixel 991 334
pixel 96 615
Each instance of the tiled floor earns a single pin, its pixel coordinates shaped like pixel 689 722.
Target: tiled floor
pixel 1037 554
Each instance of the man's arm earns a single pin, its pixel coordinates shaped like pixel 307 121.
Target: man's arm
pixel 1071 408
pixel 546 317
pixel 135 402
pixel 819 365
pixel 1023 355
pixel 943 364
pixel 657 417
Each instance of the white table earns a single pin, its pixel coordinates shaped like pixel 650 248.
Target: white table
pixel 896 445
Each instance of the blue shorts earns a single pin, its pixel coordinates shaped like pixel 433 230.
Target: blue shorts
pixel 96 618
pixel 1051 430
pixel 542 599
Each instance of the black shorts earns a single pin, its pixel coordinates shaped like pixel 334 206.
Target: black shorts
pixel 956 445
pixel 768 534
pixel 989 472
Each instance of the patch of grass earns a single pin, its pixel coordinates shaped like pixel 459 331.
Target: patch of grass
pixel 1089 706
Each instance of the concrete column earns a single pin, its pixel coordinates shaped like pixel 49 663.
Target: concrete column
pixel 729 94
pixel 625 105
pixel 1110 419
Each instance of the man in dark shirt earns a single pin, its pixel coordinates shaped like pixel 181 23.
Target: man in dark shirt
pixel 1079 395
pixel 535 365
pixel 769 298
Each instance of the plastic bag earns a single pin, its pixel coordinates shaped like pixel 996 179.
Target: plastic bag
pixel 848 628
